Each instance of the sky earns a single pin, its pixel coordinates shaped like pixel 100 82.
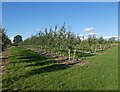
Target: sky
pixel 60 0
pixel 27 18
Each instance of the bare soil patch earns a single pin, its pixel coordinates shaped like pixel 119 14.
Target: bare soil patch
pixel 3 61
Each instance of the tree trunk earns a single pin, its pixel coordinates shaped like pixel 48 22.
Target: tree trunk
pixel 104 47
pixel 111 45
pixel 74 55
pixel 69 54
pixel 95 49
pixel 100 46
pixel 91 49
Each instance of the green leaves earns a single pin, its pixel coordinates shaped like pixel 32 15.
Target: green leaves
pixel 4 41
pixel 17 39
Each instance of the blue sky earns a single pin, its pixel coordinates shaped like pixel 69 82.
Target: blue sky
pixel 27 18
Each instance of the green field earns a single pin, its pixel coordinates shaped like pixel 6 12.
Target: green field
pixel 26 70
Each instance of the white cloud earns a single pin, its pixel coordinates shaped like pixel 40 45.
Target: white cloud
pixel 108 37
pixel 11 38
pixel 91 29
pixel 85 37
pixel 81 35
pixel 91 33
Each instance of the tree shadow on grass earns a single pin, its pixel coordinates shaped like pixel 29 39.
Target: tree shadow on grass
pixel 40 63
pixel 39 60
pixel 28 56
pixel 32 55
pixel 51 68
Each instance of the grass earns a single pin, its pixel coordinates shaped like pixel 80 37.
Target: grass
pixel 26 70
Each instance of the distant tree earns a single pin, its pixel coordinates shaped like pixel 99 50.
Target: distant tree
pixel 112 40
pixel 17 39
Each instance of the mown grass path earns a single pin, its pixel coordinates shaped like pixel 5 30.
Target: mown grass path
pixel 27 70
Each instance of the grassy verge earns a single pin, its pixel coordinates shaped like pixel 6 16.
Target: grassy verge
pixel 26 70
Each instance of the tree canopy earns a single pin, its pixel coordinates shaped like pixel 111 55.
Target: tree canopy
pixel 4 41
pixel 17 39
pixel 58 39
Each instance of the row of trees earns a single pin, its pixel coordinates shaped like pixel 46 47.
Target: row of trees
pixel 97 44
pixel 4 41
pixel 56 40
